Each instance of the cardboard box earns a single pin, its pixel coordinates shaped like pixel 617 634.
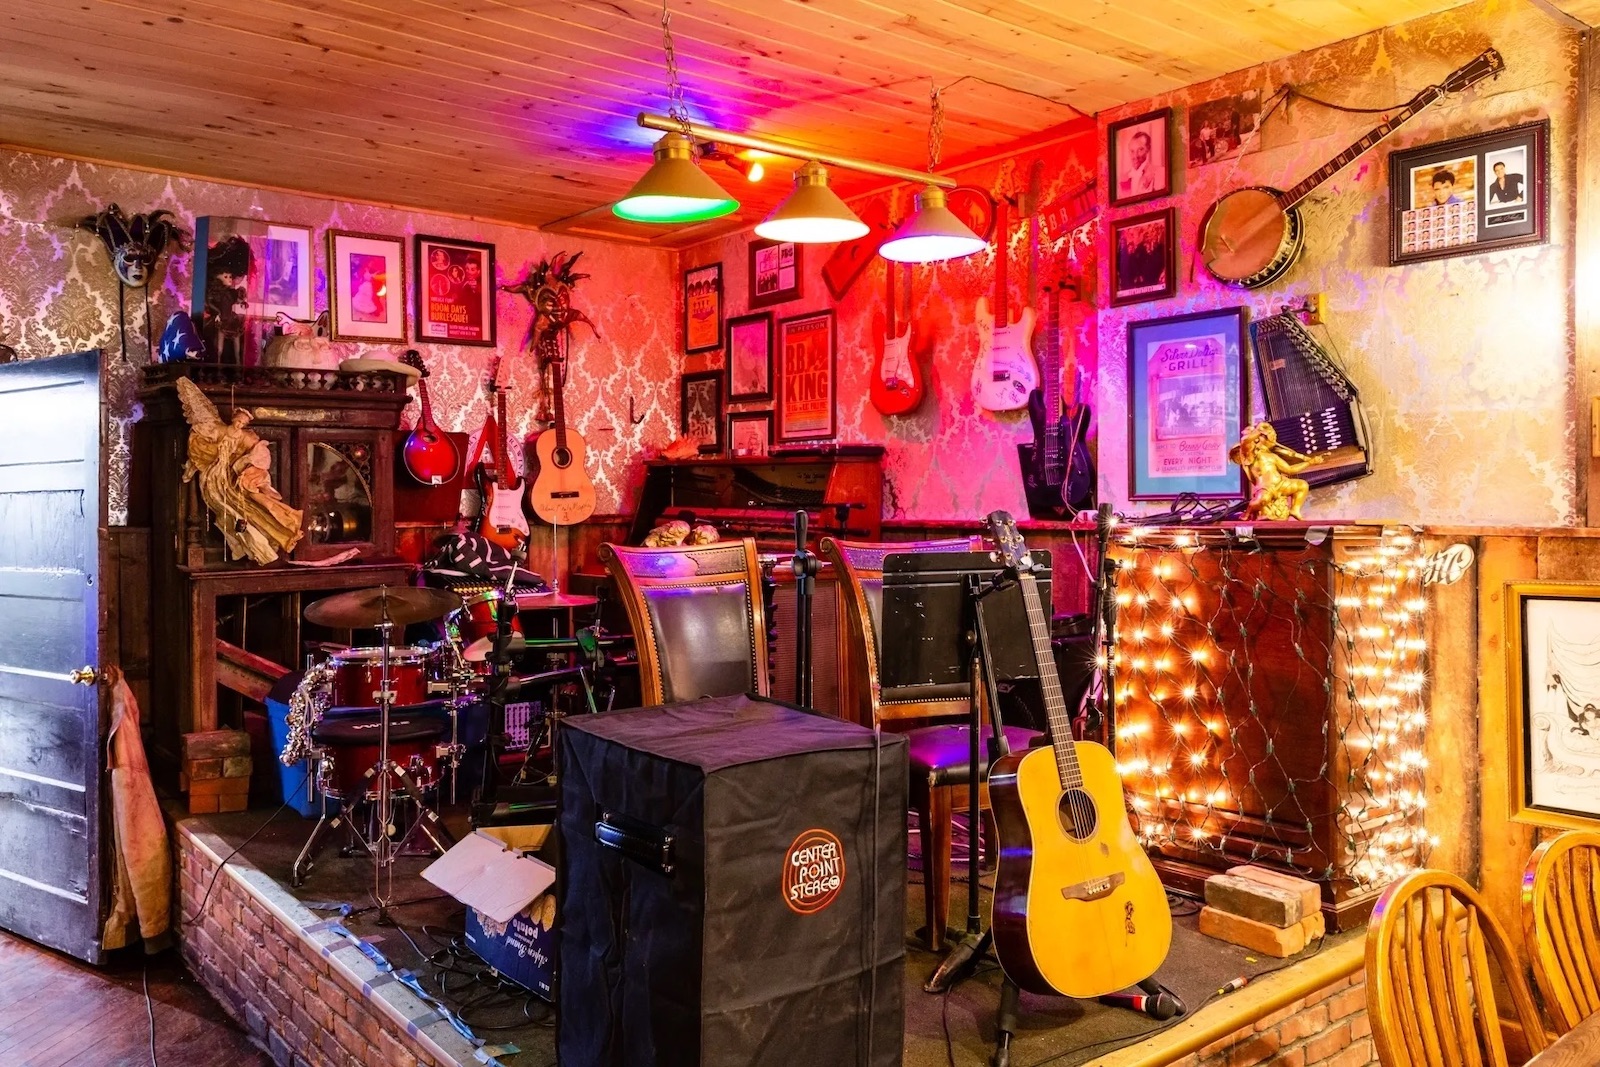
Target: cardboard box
pixel 510 899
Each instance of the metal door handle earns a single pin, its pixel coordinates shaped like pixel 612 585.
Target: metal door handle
pixel 84 676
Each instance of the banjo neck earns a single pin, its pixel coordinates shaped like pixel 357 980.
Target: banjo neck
pixel 1288 198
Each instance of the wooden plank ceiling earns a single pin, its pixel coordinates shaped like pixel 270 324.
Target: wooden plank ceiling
pixel 523 110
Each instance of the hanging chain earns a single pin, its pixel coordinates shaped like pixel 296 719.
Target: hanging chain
pixel 935 128
pixel 675 106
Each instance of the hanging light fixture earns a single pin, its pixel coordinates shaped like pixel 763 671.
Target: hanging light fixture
pixel 934 233
pixel 674 189
pixel 813 213
pixel 750 170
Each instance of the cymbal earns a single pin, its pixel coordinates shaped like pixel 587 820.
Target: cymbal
pixel 364 608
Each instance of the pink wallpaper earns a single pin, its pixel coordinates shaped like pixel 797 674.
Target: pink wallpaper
pixel 57 294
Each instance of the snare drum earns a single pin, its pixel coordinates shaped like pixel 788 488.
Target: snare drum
pixel 351 743
pixel 358 674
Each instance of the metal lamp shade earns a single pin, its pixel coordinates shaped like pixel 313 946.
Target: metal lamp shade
pixel 674 189
pixel 813 213
pixel 932 234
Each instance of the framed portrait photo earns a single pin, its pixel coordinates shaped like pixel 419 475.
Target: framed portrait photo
pixel 702 309
pixel 455 291
pixel 1472 194
pixel 749 433
pixel 700 409
pixel 808 382
pixel 1186 405
pixel 774 273
pixel 367 287
pixel 1552 645
pixel 1144 260
pixel 750 358
pixel 1141 158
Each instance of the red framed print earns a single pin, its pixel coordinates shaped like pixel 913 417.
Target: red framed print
pixel 367 287
pixel 807 378
pixel 702 309
pixel 455 291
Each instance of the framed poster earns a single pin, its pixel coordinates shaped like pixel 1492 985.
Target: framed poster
pixel 1186 405
pixel 1217 128
pixel 700 409
pixel 702 309
pixel 750 358
pixel 749 433
pixel 1553 676
pixel 1472 194
pixel 1141 160
pixel 1144 265
pixel 367 286
pixel 455 291
pixel 774 273
pixel 807 378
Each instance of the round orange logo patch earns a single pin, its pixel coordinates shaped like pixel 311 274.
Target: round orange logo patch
pixel 813 872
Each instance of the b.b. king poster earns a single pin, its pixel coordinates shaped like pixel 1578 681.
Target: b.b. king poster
pixel 806 377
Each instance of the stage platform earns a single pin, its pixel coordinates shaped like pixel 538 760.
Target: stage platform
pixel 317 983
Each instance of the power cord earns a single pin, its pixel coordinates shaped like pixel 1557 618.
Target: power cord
pixel 149 1009
pixel 200 910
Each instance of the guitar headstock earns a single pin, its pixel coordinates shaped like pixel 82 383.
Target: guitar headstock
pixel 413 358
pixel 1485 66
pixel 1009 549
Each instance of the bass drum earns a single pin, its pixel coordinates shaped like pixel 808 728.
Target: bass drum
pixel 351 742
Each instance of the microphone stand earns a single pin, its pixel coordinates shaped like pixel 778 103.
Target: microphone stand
pixel 499 678
pixel 806 566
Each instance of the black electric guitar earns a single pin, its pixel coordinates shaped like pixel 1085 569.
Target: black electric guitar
pixel 1057 472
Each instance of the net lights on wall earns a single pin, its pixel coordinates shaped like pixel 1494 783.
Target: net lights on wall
pixel 1210 634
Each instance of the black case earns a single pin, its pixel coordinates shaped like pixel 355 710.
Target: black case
pixel 747 954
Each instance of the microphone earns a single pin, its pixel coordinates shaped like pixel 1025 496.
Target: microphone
pixel 1162 1005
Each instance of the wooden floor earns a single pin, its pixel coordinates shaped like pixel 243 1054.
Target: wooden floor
pixel 55 1011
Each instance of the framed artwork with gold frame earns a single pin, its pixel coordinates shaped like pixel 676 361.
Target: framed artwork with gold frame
pixel 1553 700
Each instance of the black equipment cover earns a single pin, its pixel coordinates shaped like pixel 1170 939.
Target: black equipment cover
pixel 756 947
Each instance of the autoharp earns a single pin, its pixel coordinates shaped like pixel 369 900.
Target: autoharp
pixel 1311 403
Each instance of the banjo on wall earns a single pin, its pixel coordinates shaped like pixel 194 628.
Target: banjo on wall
pixel 1252 236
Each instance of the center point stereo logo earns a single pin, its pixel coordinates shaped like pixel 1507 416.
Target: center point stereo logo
pixel 813 872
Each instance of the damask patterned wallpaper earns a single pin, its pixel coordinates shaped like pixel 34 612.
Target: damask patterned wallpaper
pixel 58 294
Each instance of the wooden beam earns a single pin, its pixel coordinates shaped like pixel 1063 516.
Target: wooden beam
pixel 245 672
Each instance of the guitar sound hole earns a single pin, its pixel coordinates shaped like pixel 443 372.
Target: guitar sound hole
pixel 561 457
pixel 1078 815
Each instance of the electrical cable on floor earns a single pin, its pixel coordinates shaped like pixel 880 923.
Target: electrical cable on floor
pixel 200 910
pixel 149 1009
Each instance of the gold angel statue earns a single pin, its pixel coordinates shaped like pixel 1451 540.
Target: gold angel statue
pixel 233 465
pixel 1275 494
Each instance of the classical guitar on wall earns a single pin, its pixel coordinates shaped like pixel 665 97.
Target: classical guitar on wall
pixel 1005 372
pixel 563 493
pixel 503 520
pixel 1078 908
pixel 1251 237
pixel 430 456
pixel 898 384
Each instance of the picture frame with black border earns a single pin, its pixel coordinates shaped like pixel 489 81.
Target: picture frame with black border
pixel 702 309
pixel 749 434
pixel 808 378
pixel 1140 271
pixel 749 362
pixel 1471 194
pixel 455 297
pixel 1139 153
pixel 700 409
pixel 776 273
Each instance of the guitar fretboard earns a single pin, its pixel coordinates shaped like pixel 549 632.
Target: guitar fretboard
pixel 1055 702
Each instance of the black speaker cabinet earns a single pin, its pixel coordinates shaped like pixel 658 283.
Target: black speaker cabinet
pixel 732 888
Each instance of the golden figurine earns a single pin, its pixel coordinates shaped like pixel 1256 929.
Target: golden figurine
pixel 1269 466
pixel 233 464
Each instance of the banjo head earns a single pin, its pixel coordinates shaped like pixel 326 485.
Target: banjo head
pixel 1248 238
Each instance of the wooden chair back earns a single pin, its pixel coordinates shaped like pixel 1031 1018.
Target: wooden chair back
pixel 1431 994
pixel 698 618
pixel 859 568
pixel 1561 925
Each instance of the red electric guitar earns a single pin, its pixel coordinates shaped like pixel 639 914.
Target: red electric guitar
pixel 898 384
pixel 503 520
pixel 430 456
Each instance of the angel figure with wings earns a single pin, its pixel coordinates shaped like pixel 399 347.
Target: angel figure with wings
pixel 233 465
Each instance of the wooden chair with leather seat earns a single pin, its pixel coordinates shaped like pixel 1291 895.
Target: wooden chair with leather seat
pixel 1561 925
pixel 1430 994
pixel 698 620
pixel 939 754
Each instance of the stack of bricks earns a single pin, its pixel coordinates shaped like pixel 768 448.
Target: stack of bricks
pixel 1264 911
pixel 216 771
pixel 1329 1028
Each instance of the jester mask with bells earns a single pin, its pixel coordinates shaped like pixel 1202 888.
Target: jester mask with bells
pixel 134 242
pixel 548 287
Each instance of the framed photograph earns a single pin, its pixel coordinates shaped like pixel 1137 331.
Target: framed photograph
pixel 749 433
pixel 1472 194
pixel 750 358
pixel 774 273
pixel 455 291
pixel 367 287
pixel 1553 676
pixel 1144 265
pixel 808 381
pixel 1141 160
pixel 286 274
pixel 700 409
pixel 702 309
pixel 1186 405
pixel 1218 128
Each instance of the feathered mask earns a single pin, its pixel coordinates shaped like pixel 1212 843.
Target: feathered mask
pixel 134 242
pixel 548 287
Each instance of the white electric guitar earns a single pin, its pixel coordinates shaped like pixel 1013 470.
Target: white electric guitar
pixel 1006 371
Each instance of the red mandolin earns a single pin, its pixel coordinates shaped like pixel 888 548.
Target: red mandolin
pixel 430 456
pixel 898 384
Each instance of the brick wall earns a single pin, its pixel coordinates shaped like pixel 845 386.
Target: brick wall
pixel 1327 1029
pixel 306 996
